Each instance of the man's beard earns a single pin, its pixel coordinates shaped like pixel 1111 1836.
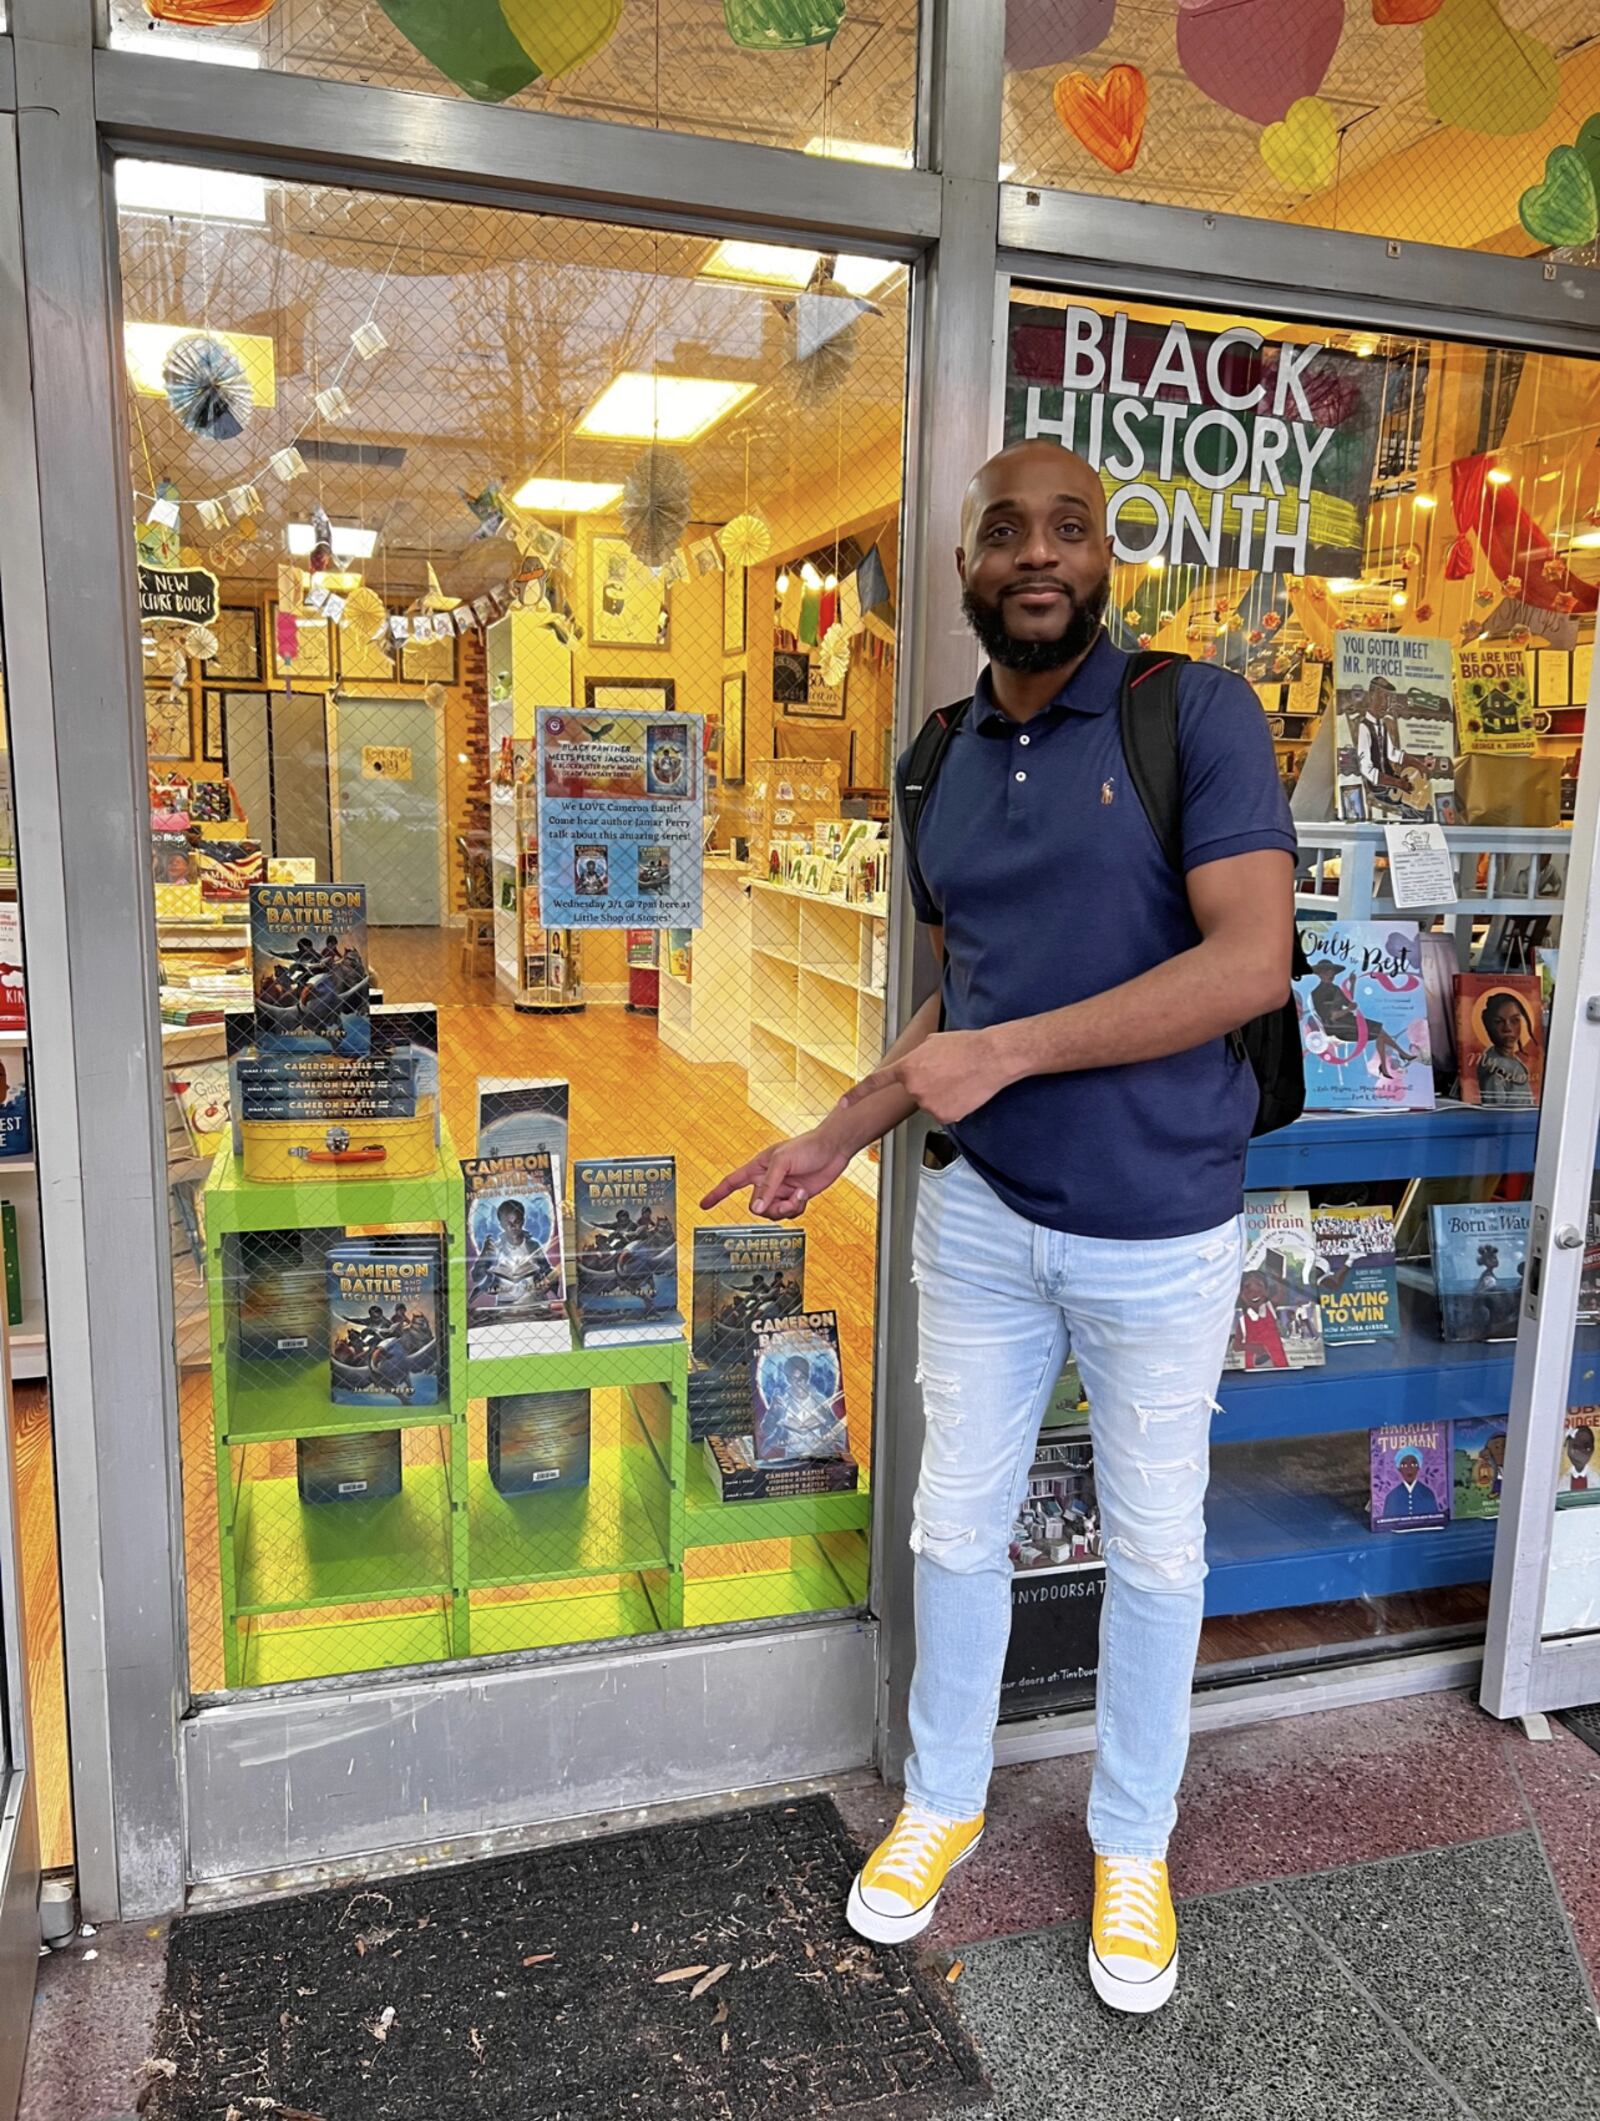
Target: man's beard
pixel 1031 657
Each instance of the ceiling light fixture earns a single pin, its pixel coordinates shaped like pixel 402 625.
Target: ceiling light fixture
pixel 568 497
pixel 189 193
pixel 1587 541
pixel 776 265
pixel 1423 500
pixel 638 407
pixel 350 541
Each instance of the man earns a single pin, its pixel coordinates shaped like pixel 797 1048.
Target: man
pixel 1396 787
pixel 1088 1186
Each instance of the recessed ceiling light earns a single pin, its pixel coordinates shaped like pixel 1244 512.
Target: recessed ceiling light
pixel 189 192
pixel 859 151
pixel 194 48
pixel 145 348
pixel 350 541
pixel 567 497
pixel 776 265
pixel 638 407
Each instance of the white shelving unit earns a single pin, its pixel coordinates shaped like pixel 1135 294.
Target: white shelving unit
pixel 816 1005
pixel 706 1017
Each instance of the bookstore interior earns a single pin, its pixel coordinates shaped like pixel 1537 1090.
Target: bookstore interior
pixel 520 604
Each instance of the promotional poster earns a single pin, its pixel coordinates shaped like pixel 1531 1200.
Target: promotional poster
pixel 1394 698
pixel 621 818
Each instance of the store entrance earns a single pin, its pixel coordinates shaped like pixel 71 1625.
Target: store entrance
pixel 388 806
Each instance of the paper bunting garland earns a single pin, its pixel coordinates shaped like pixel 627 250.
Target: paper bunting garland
pixel 207 387
pixel 288 464
pixel 558 35
pixel 1106 117
pixel 332 404
pixel 746 540
pixel 368 340
pixel 782 25
pixel 1257 57
pixel 655 506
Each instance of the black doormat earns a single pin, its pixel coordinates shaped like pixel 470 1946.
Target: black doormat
pixel 1583 1723
pixel 531 1989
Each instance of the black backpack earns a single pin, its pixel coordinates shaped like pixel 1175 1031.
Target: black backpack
pixel 1149 728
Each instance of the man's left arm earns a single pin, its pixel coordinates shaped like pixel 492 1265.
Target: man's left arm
pixel 1243 907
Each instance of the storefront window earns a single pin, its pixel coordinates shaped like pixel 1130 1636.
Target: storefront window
pixel 519 612
pixel 1453 122
pixel 824 76
pixel 1394 540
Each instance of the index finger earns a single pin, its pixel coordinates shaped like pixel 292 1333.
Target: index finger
pixel 870 1085
pixel 735 1182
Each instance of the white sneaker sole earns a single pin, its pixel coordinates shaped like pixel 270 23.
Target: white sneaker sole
pixel 896 1929
pixel 1136 1997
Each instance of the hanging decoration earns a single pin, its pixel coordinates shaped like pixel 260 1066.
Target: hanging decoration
pixel 1258 57
pixel 655 506
pixel 320 559
pixel 1050 35
pixel 1302 149
pixel 287 464
pixel 201 643
pixel 1458 560
pixel 1107 117
pixel 368 340
pixel 826 341
pixel 1513 543
pixel 558 35
pixel 833 656
pixel 207 387
pixel 363 616
pixel 490 509
pixel 208 14
pixel 469 41
pixel 746 540
pixel 782 25
pixel 1484 76
pixel 1561 209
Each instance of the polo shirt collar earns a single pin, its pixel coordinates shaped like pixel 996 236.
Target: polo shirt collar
pixel 1094 687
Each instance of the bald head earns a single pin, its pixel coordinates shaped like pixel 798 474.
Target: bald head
pixel 1034 560
pixel 1029 468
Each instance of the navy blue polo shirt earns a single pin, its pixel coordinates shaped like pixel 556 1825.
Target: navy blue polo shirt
pixel 1038 860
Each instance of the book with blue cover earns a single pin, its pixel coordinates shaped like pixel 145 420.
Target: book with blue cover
pixel 797 1388
pixel 383 1340
pixel 1363 1011
pixel 516 1281
pixel 308 950
pixel 625 1214
pixel 1480 1251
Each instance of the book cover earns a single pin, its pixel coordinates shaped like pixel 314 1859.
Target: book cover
pixel 16 1117
pixel 738 1475
pixel 1394 697
pixel 741 1272
pixel 539 1442
pixel 1494 701
pixel 1356 1274
pixel 1577 1475
pixel 1278 1321
pixel 1500 1039
pixel 308 947
pixel 797 1387
pixel 13 1001
pixel 201 1091
pixel 625 1214
pixel 1478 1464
pixel 516 1278
pixel 1480 1253
pixel 1058 1524
pixel 13 1262
pixel 1410 1480
pixel 517 1117
pixel 1589 1284
pixel 277 1283
pixel 383 1324
pixel 349 1468
pixel 1363 1012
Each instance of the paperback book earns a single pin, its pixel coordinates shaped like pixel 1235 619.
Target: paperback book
pixel 203 1104
pixel 1278 1320
pixel 517 1117
pixel 1363 1010
pixel 16 1116
pixel 13 999
pixel 1478 1460
pixel 1058 1525
pixel 278 1294
pixel 738 1475
pixel 797 1387
pixel 383 1304
pixel 308 947
pixel 1410 1478
pixel 1356 1274
pixel 742 1271
pixel 13 1262
pixel 1577 1475
pixel 539 1442
pixel 625 1215
pixel 1394 698
pixel 1500 1039
pixel 516 1282
pixel 1494 701
pixel 326 1086
pixel 1480 1251
pixel 349 1468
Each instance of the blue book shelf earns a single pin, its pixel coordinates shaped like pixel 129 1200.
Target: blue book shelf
pixel 1274 1543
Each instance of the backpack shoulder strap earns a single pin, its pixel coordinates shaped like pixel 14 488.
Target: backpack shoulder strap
pixel 921 768
pixel 1149 723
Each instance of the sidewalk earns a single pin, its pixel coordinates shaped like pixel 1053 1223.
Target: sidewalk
pixel 1390 1912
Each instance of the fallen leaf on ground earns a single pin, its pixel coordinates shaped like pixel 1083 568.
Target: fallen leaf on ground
pixel 682 1973
pixel 724 2043
pixel 720 2015
pixel 475 2042
pixel 710 1980
pixel 537 1958
pixel 160 2066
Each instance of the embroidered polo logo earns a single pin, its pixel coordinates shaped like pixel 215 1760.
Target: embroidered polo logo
pixel 1108 789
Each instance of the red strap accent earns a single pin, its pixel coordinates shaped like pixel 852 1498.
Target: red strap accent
pixel 1150 671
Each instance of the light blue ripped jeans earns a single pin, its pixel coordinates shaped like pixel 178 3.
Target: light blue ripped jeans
pixel 999 1298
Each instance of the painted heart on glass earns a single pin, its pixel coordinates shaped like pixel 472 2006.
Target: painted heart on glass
pixel 1561 210
pixel 1258 56
pixel 1484 76
pixel 558 35
pixel 1050 32
pixel 1387 12
pixel 1588 145
pixel 1106 117
pixel 1302 150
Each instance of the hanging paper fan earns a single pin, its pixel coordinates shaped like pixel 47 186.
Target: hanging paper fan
pixel 782 25
pixel 207 387
pixel 201 643
pixel 745 540
pixel 363 615
pixel 826 341
pixel 208 14
pixel 558 35
pixel 655 506
pixel 833 657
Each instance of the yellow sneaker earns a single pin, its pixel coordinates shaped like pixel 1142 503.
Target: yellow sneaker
pixel 897 1889
pixel 1133 1940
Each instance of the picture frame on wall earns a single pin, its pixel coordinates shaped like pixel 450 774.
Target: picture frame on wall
pixel 314 658
pixel 433 662
pixel 238 656
pixel 733 729
pixel 629 695
pixel 735 610
pixel 360 658
pixel 168 722
pixel 820 702
pixel 627 603
pixel 213 737
pixel 791 677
